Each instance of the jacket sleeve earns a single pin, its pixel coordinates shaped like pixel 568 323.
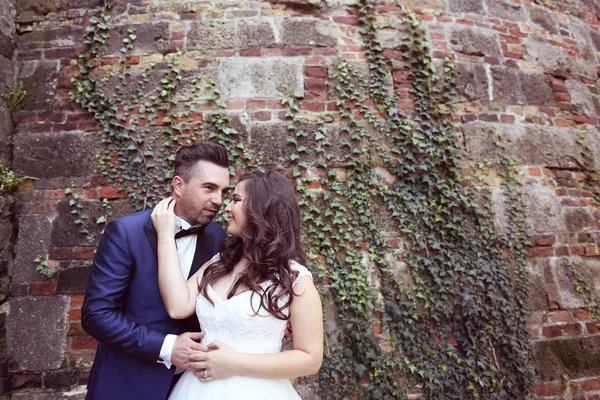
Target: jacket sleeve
pixel 102 311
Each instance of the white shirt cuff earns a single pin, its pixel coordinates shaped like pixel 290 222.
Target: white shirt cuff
pixel 166 350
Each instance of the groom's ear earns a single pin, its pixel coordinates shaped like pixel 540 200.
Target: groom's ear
pixel 177 183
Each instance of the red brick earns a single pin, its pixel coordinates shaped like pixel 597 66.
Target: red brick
pixel 545 390
pixel 42 289
pixel 21 290
pixel 315 72
pixel 276 104
pixel 491 60
pixel 110 193
pixel 464 22
pixel 76 302
pixel 234 104
pixel 507 119
pixel 315 84
pixel 62 53
pixel 580 119
pixel 544 240
pixel 577 250
pixel 83 342
pixel 582 315
pixel 109 60
pixel 177 35
pixel 83 253
pixel 271 52
pixel 313 106
pixel 535 172
pixel 315 95
pixel 393 54
pixel 565 106
pixel 326 51
pixel 377 329
pixel 133 60
pixel 256 103
pixel 250 53
pixel 60 253
pixel 347 20
pixel 75 329
pixel 298 51
pixel 559 87
pixel 75 315
pixel 592 328
pixel 548 111
pixel 562 251
pixel 562 123
pixel 559 316
pixel 572 329
pixel 561 192
pixel 261 116
pixel 541 252
pixel 551 331
pixel 591 385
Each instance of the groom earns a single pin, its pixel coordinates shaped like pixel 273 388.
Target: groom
pixel 139 344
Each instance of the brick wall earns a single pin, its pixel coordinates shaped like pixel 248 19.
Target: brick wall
pixel 527 69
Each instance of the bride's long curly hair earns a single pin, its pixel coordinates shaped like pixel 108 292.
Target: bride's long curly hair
pixel 271 240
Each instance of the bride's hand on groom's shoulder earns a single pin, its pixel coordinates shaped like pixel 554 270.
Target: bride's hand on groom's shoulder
pixel 219 362
pixel 163 217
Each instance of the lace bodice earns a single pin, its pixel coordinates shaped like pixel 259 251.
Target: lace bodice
pixel 233 321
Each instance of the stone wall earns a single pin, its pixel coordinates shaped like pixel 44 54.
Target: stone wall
pixel 8 71
pixel 528 69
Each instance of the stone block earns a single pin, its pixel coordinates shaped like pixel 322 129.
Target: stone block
pixel 544 209
pixel 561 283
pixel 554 60
pixel 62 379
pixel 7 46
pixel 582 99
pixel 39 80
pixel 65 233
pixel 73 280
pixel 506 11
pixel 504 81
pixel 61 154
pixel 571 358
pixel 6 128
pixel 37 7
pixel 37 332
pixel 8 14
pixel 578 219
pixel 87 4
pixel 51 38
pixel 536 89
pixel 239 34
pixel 472 82
pixel 150 38
pixel 544 19
pixel 32 241
pixel 252 77
pixel 466 6
pixel 309 32
pixel 475 42
pixel 595 39
pixel 537 299
pixel 7 75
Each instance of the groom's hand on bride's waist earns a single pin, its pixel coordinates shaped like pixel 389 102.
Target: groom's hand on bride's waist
pixel 185 345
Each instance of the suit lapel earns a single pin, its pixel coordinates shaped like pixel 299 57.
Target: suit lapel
pixel 152 238
pixel 205 244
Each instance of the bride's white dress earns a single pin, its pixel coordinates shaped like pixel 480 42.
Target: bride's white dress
pixel 234 323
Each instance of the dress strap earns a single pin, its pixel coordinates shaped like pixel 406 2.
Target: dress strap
pixel 302 271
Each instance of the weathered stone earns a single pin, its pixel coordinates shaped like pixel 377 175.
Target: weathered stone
pixel 475 42
pixel 571 358
pixel 554 60
pixel 581 98
pixel 65 233
pixel 595 39
pixel 150 38
pixel 309 32
pixel 578 219
pixel 250 77
pixel 88 4
pixel 561 284
pixel 7 75
pixel 239 34
pixel 61 154
pixel 8 12
pixel 37 332
pixel 543 18
pixel 472 81
pixel 37 7
pixel 544 209
pixel 28 395
pixel 536 89
pixel 62 379
pixel 6 127
pixel 506 11
pixel 467 6
pixel 537 289
pixel 39 80
pixel 73 280
pixel 7 46
pixel 51 38
pixel 32 241
pixel 504 81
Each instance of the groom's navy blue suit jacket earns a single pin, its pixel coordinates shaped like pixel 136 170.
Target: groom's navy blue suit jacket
pixel 123 310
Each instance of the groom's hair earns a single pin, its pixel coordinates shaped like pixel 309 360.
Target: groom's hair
pixel 187 158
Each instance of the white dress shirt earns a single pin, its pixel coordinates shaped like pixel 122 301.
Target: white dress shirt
pixel 186 247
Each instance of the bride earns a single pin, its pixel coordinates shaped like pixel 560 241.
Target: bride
pixel 245 296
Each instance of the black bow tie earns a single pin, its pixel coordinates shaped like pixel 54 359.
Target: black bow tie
pixel 194 230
